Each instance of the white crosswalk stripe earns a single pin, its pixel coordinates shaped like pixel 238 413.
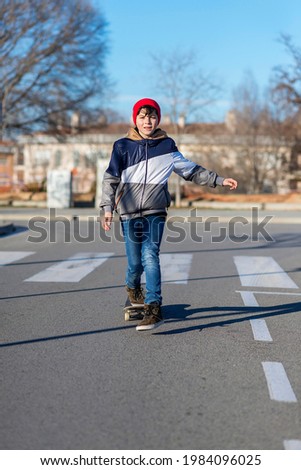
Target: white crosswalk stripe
pixel 72 269
pixel 7 257
pixel 262 271
pixel 175 268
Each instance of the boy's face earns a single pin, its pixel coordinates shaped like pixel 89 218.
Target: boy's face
pixel 146 122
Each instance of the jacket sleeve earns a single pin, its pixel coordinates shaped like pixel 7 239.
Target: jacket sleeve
pixel 111 180
pixel 190 171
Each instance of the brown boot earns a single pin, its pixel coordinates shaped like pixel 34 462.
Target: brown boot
pixel 136 296
pixel 152 317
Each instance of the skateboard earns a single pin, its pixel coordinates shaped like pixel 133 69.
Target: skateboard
pixel 132 312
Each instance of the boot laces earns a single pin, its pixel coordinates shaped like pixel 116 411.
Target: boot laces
pixel 150 309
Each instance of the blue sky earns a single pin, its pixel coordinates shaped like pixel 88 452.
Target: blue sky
pixel 230 38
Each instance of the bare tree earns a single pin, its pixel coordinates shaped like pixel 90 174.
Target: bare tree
pixel 287 79
pixel 260 137
pixel 187 91
pixel 52 56
pixel 286 88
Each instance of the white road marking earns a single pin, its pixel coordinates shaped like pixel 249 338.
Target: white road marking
pixel 273 293
pixel 175 268
pixel 260 330
pixel 7 257
pixel 72 269
pixel 265 272
pixel 262 271
pixel 278 384
pixel 292 444
pixel 249 299
pixel 258 325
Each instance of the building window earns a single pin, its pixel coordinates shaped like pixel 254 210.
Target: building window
pixel 58 158
pixel 20 158
pixel 42 156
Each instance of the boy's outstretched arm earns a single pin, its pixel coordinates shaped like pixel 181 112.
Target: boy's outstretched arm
pixel 230 182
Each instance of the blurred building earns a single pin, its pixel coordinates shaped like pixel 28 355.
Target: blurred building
pixel 86 154
pixel 8 153
pixel 294 175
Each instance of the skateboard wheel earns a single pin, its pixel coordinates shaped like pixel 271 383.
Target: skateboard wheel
pixel 127 316
pixel 133 315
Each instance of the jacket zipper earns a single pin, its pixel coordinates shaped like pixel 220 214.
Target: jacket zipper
pixel 145 176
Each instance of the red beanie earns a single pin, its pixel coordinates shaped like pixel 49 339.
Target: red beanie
pixel 146 102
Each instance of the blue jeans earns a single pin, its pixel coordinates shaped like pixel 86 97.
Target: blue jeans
pixel 142 238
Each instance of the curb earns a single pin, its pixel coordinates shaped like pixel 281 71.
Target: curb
pixel 185 205
pixel 247 205
pixel 43 218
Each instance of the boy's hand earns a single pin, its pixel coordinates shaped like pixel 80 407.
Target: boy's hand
pixel 230 182
pixel 106 221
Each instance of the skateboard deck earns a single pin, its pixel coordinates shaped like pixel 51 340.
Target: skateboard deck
pixel 132 312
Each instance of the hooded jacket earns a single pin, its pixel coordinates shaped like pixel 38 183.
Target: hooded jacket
pixel 135 183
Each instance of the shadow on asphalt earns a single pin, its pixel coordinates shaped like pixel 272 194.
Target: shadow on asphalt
pixel 66 336
pixel 16 229
pixel 180 313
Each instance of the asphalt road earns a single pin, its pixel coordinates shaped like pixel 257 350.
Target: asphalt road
pixel 75 375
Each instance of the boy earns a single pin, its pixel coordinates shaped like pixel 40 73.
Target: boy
pixel 135 184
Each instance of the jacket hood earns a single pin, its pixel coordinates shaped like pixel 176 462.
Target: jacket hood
pixel 133 134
